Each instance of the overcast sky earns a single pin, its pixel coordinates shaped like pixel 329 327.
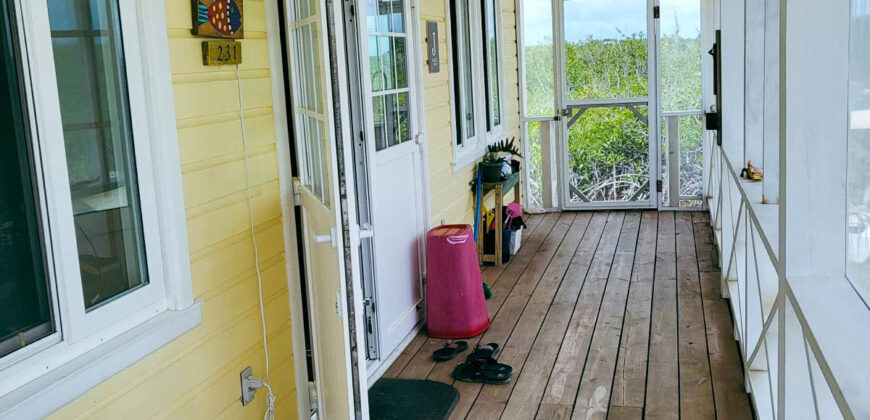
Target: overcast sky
pixel 605 19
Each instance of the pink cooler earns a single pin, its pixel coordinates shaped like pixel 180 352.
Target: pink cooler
pixel 456 307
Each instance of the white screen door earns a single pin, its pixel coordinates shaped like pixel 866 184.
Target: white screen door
pixel 607 103
pixel 317 162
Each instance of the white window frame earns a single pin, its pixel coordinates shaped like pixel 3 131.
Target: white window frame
pixel 90 346
pixel 473 148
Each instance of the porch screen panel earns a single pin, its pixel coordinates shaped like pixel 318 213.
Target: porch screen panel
pixel 101 162
pixel 606 49
pixel 309 105
pixel 858 179
pixel 388 64
pixel 25 306
pixel 538 61
pixel 681 94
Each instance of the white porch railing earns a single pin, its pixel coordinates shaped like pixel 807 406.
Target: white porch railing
pixel 773 333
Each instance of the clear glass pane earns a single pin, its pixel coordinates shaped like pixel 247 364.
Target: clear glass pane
pixel 25 303
pixel 385 16
pixel 92 88
pixel 608 155
pixel 493 65
pixel 462 71
pixel 380 121
pixel 606 49
pixel 858 218
pixel 538 59
pixel 680 55
pixel 388 63
pixel 391 119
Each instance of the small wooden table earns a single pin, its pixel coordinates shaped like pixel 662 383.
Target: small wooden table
pixel 500 188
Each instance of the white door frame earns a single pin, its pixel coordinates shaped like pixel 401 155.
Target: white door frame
pixel 563 103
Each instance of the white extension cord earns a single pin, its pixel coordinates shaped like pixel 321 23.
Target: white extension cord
pixel 270 396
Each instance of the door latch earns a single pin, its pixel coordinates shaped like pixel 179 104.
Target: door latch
pixel 297 191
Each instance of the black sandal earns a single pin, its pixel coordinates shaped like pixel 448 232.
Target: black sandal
pixel 476 371
pixel 484 351
pixel 490 364
pixel 449 351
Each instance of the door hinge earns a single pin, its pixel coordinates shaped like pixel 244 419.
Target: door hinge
pixel 656 12
pixel 313 400
pixel 659 186
pixel 297 191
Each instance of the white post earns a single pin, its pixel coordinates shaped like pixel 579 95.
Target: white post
pixel 732 56
pixel 770 186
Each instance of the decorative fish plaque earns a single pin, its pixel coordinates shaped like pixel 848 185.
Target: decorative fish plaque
pixel 218 18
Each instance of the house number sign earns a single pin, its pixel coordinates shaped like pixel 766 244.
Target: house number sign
pixel 219 53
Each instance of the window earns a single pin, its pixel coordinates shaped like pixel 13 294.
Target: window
pixel 477 65
pixel 309 104
pixel 98 139
pixel 93 238
pixel 25 308
pixel 858 175
pixel 388 66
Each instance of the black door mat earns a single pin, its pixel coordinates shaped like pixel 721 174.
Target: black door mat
pixel 403 399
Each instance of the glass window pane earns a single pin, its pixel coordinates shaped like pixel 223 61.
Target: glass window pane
pixel 493 66
pixel 463 94
pixel 380 121
pixel 92 86
pixel 385 16
pixel 606 49
pixel 25 303
pixel 858 182
pixel 538 59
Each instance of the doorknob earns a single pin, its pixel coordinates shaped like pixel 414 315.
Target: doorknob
pixel 327 239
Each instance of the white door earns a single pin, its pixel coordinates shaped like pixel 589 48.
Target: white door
pixel 318 190
pixel 390 103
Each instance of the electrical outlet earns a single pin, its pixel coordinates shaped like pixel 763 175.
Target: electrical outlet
pixel 247 392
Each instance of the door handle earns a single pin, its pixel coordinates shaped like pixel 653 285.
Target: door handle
pixel 326 239
pixel 366 231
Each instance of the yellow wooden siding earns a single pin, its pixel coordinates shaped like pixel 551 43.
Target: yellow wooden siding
pixel 450 194
pixel 196 376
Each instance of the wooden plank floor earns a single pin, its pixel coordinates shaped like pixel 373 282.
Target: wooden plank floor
pixel 603 315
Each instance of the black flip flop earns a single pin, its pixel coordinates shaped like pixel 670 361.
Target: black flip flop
pixel 449 351
pixel 483 351
pixel 471 372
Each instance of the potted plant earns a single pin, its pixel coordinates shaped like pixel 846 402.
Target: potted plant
pixel 507 149
pixel 490 167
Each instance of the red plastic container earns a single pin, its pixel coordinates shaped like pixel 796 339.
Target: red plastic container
pixel 456 307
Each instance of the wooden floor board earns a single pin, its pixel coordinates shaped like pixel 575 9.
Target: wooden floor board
pixel 608 314
pixel 663 394
pixel 629 381
pixel 696 390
